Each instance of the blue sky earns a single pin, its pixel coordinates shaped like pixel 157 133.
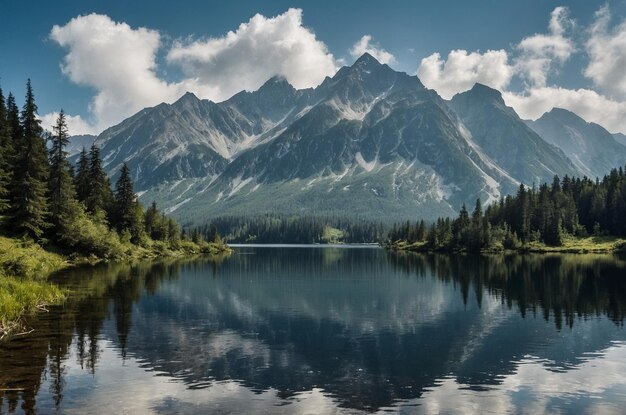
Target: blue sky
pixel 172 52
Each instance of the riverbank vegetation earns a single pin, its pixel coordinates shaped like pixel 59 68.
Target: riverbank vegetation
pixel 570 215
pixel 53 215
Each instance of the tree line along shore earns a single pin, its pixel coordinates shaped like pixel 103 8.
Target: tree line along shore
pixel 54 215
pixel 570 215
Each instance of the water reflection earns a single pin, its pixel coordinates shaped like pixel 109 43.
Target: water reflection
pixel 327 330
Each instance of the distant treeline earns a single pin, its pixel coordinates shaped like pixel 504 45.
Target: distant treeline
pixel 292 229
pixel 43 197
pixel 571 206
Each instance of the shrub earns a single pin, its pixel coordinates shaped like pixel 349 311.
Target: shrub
pixel 90 237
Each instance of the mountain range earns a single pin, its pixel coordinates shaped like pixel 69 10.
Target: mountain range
pixel 370 142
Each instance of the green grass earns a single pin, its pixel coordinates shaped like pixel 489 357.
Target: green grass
pixel 571 244
pixel 27 260
pixel 19 297
pixel 24 288
pixel 405 246
pixel 591 244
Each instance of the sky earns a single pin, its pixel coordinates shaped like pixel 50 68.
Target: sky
pixel 102 61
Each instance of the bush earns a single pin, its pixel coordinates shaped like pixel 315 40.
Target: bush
pixel 511 241
pixel 90 237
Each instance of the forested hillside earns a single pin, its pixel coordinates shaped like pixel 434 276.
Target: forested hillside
pixel 44 198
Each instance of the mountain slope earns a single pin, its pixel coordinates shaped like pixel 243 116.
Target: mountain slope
pixel 592 149
pixel 368 142
pixel 502 135
pixel 620 138
pixel 374 141
pixel 78 142
pixel 193 137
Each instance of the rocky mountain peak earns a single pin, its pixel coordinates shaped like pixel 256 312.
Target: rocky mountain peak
pixel 486 94
pixel 188 98
pixel 366 61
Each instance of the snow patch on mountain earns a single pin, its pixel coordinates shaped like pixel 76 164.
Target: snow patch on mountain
pixel 176 206
pixel 237 184
pixel 367 166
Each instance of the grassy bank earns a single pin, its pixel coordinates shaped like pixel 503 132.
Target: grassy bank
pixel 24 270
pixel 571 244
pixel 25 267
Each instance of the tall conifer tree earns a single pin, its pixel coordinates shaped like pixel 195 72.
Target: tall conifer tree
pixel 100 194
pixel 81 181
pixel 128 212
pixel 5 168
pixel 13 121
pixel 30 173
pixel 62 194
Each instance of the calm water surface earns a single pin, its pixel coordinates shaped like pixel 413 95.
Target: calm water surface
pixel 328 330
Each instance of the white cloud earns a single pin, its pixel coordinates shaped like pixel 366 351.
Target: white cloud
pixel 607 54
pixel 366 45
pixel 540 52
pixel 117 61
pixel 462 69
pixel 259 49
pixel 537 56
pixel 75 124
pixel 587 103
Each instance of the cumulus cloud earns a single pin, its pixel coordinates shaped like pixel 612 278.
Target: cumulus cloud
pixel 366 45
pixel 607 54
pixel 533 60
pixel 119 62
pixel 587 103
pixel 259 49
pixel 75 124
pixel 537 55
pixel 462 69
pixel 540 52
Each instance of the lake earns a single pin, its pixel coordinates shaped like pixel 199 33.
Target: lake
pixel 328 330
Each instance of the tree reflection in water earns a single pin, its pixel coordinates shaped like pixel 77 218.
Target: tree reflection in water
pixel 366 326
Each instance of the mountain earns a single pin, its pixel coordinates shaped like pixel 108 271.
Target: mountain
pixel 620 138
pixel 591 148
pixel 197 138
pixel 368 142
pixel 78 142
pixel 507 139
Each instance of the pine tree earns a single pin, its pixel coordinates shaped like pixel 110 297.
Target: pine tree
pixel 30 174
pixel 477 215
pixel 151 218
pixel 100 195
pixel 461 227
pixel 61 190
pixel 173 231
pixel 522 222
pixel 128 212
pixel 81 179
pixel 5 166
pixel 11 137
pixel 13 122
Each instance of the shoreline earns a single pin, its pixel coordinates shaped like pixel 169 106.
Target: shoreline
pixel 571 245
pixel 25 269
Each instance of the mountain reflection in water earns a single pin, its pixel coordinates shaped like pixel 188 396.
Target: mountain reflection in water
pixel 282 330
